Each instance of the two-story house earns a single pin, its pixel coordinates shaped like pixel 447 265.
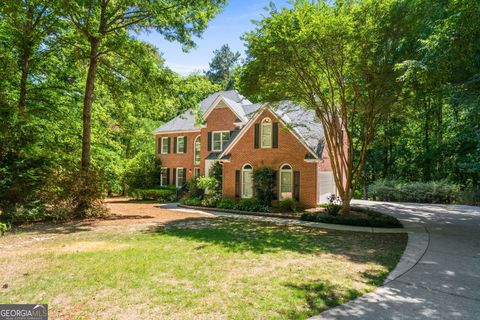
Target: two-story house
pixel 243 136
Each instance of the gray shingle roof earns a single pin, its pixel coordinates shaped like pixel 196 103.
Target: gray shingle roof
pixel 302 121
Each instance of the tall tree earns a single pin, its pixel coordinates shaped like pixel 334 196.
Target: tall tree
pixel 221 67
pixel 337 60
pixel 104 25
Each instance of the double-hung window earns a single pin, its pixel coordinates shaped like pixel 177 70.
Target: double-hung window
pixel 181 144
pixel 219 139
pixel 165 145
pixel 164 177
pixel 180 177
pixel 196 154
pixel 266 131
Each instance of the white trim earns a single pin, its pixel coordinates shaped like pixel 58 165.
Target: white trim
pixel 195 150
pixel 252 121
pixel 280 180
pixel 195 169
pixel 162 144
pixel 161 173
pixel 221 140
pixel 266 122
pixel 178 144
pixel 242 193
pixel 175 132
pixel 214 105
pixel 176 176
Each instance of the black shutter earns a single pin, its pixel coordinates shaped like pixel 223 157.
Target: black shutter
pixel 209 141
pixel 174 176
pixel 168 176
pixel 184 176
pixel 275 185
pixel 237 183
pixel 256 138
pixel 275 135
pixel 185 144
pixel 296 185
pixel 159 145
pixel 168 143
pixel 174 144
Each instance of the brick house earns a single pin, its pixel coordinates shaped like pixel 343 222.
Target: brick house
pixel 243 136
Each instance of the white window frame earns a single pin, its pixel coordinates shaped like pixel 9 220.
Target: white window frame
pixel 161 176
pixel 244 195
pixel 221 139
pixel 182 138
pixel 266 122
pixel 282 170
pixel 162 151
pixel 196 171
pixel 176 178
pixel 195 151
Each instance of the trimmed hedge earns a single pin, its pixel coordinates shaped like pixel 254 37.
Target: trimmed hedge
pixel 374 219
pixel 424 192
pixel 161 195
pixel 250 205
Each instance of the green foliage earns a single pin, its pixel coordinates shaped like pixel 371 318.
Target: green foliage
pixel 333 206
pixel 142 171
pixel 211 200
pixel 191 201
pixel 227 203
pixel 263 183
pixel 195 188
pixel 373 219
pixel 216 172
pixel 207 183
pixel 252 205
pixel 287 205
pixel 4 228
pixel 222 65
pixel 160 195
pixel 441 191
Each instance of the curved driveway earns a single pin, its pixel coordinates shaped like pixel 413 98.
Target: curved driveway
pixel 443 284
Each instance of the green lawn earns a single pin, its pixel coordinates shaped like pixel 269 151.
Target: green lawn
pixel 197 269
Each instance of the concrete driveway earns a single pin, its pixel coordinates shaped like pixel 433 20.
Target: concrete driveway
pixel 443 284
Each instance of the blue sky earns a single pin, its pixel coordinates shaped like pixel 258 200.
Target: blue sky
pixel 226 27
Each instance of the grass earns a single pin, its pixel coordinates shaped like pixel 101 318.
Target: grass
pixel 196 269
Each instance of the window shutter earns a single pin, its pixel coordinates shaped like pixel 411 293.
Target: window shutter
pixel 168 176
pixel 296 185
pixel 275 185
pixel 174 176
pixel 159 145
pixel 174 144
pixel 237 183
pixel 209 141
pixel 256 143
pixel 184 176
pixel 168 143
pixel 185 144
pixel 275 135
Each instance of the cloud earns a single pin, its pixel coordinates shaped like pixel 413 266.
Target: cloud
pixel 185 69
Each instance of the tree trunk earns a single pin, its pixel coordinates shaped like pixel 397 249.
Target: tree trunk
pixel 22 100
pixel 87 106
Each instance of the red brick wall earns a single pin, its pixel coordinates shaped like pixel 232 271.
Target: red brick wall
pixel 290 150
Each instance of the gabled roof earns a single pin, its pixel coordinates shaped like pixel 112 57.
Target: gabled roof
pixel 302 122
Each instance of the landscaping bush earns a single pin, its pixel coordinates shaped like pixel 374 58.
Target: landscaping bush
pixel 334 205
pixel 374 219
pixel 211 200
pixel 227 204
pixel 191 201
pixel 194 187
pixel 160 195
pixel 425 192
pixel 287 205
pixel 470 197
pixel 252 205
pixel 3 228
pixel 263 183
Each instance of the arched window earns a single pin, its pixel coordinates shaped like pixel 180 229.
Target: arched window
pixel 286 182
pixel 247 181
pixel 196 151
pixel 266 133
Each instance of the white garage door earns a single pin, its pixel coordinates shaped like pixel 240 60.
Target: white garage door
pixel 326 186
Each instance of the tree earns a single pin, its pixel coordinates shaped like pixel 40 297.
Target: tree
pixel 337 60
pixel 104 25
pixel 221 67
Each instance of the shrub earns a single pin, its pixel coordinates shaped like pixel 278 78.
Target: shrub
pixel 142 171
pixel 427 192
pixel 263 183
pixel 470 197
pixel 334 205
pixel 216 172
pixel 227 204
pixel 3 228
pixel 191 201
pixel 287 205
pixel 374 219
pixel 209 183
pixel 160 195
pixel 194 188
pixel 252 205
